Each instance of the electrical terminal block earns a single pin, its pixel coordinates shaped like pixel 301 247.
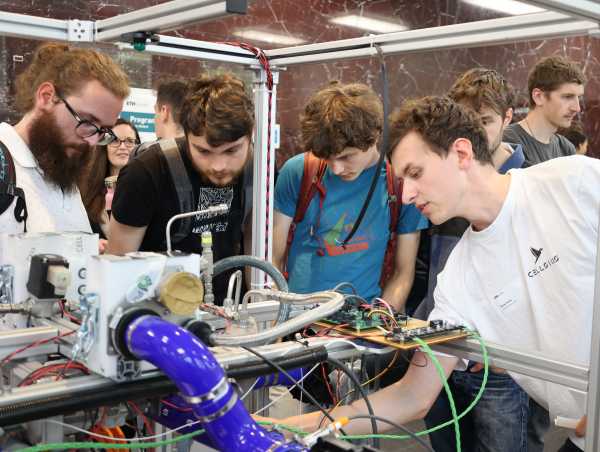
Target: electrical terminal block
pixel 435 328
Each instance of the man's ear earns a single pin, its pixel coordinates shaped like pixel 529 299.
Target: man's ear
pixel 45 96
pixel 538 96
pixel 165 113
pixel 508 116
pixel 464 152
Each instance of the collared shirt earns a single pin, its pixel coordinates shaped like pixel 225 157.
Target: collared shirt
pixel 49 209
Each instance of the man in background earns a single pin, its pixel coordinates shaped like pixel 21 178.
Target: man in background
pixel 555 86
pixel 169 98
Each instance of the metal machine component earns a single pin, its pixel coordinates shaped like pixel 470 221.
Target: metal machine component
pixel 48 276
pixel 18 251
pixel 207 254
pixel 86 335
pixel 330 302
pixel 6 284
pixel 126 284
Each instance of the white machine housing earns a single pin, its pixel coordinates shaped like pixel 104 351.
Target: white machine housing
pixel 122 283
pixel 16 250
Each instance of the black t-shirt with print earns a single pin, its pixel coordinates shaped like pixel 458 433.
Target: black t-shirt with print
pixel 145 196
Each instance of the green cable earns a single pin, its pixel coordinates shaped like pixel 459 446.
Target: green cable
pixel 440 370
pixel 134 444
pixel 91 445
pixel 131 444
pixel 451 421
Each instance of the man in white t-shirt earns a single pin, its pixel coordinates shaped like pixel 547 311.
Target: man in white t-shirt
pixel 522 274
pixel 70 98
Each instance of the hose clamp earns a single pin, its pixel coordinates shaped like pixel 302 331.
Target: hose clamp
pixel 215 394
pixel 221 412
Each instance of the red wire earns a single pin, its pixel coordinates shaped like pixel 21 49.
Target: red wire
pixel 34 344
pixel 179 408
pixel 67 314
pixel 329 390
pixel 144 418
pixel 264 62
pixel 51 369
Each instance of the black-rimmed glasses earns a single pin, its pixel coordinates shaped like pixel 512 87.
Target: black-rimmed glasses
pixel 129 143
pixel 86 129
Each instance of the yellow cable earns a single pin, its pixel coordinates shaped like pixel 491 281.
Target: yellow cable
pixel 380 374
pixel 382 312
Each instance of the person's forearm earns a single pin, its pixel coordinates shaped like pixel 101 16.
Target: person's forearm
pixel 395 403
pixel 277 261
pixel 397 289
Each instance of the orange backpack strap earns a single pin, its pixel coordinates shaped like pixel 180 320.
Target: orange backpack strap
pixel 314 170
pixel 394 189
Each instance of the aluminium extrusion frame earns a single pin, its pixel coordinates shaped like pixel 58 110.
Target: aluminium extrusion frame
pixel 584 9
pixel 226 356
pixel 264 173
pixel 471 34
pixel 166 16
pixel 162 17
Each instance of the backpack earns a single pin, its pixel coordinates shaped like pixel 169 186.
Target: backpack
pixel 314 170
pixel 9 189
pixel 183 186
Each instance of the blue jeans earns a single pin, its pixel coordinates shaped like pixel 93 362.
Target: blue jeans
pixel 498 423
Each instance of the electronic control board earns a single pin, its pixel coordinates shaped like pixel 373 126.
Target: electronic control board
pixel 396 330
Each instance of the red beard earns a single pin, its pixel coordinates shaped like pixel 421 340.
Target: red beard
pixel 47 144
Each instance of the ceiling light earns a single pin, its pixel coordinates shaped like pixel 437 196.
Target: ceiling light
pixel 265 36
pixel 368 24
pixel 510 7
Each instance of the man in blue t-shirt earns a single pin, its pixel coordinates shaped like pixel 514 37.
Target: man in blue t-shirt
pixel 341 124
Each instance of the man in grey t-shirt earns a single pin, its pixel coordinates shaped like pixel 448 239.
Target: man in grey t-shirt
pixel 555 85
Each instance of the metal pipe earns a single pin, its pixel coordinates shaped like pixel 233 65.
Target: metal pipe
pixel 210 212
pixel 17 308
pixel 330 303
pixel 202 383
pixel 241 261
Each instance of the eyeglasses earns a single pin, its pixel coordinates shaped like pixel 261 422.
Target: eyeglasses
pixel 129 143
pixel 86 129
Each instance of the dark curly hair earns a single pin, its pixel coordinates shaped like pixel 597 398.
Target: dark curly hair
pixel 217 107
pixel 480 87
pixel 341 116
pixel 440 122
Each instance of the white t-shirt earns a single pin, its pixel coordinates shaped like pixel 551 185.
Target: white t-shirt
pixel 49 209
pixel 527 280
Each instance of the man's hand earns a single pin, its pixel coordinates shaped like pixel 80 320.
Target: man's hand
pixel 479 366
pixel 580 428
pixel 258 418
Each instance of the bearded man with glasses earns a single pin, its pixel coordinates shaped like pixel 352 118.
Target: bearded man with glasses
pixel 70 99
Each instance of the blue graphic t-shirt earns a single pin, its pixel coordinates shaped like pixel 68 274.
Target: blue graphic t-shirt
pixel 316 260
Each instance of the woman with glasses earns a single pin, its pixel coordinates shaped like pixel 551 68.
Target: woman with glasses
pixel 99 179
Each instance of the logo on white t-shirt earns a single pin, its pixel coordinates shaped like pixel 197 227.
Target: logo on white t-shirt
pixel 538 269
pixel 536 253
